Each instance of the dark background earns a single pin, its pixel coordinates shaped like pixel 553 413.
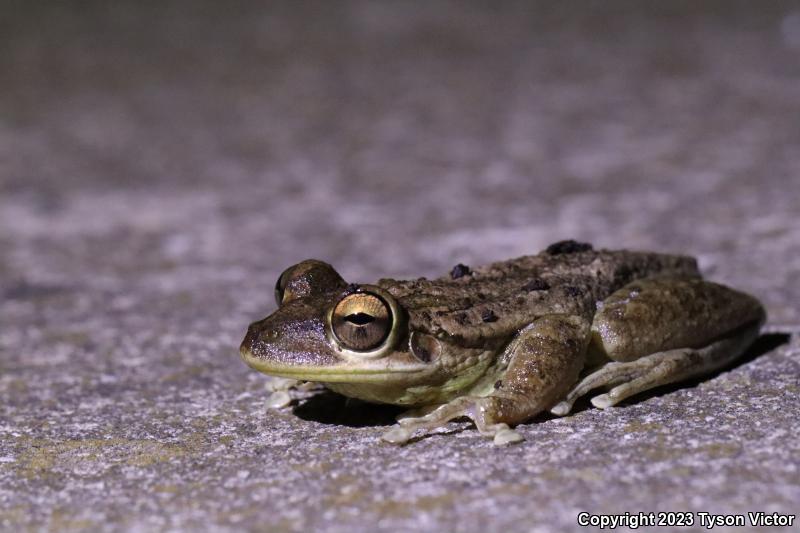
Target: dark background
pixel 162 162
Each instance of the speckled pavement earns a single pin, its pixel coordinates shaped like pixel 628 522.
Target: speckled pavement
pixel 161 163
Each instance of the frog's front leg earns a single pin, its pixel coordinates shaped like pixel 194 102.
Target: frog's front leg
pixel 544 361
pixel 665 330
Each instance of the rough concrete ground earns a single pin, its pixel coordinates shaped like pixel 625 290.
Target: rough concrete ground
pixel 161 163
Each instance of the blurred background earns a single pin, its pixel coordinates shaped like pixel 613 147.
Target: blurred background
pixel 162 162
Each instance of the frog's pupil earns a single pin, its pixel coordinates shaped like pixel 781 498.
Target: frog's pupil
pixel 360 319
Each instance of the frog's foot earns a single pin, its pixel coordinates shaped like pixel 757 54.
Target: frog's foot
pixel 661 368
pixel 285 391
pixel 608 375
pixel 472 407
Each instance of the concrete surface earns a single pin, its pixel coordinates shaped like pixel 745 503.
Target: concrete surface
pixel 161 163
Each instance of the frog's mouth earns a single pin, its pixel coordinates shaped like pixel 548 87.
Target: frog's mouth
pixel 368 371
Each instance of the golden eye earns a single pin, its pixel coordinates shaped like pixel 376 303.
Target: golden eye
pixel 361 321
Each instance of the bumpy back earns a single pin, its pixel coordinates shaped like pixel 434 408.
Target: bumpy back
pixel 496 300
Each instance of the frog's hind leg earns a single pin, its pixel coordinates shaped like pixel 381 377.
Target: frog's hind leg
pixel 544 360
pixel 657 369
pixel 671 315
pixel 677 365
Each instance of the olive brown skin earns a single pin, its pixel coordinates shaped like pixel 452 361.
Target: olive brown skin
pixel 503 342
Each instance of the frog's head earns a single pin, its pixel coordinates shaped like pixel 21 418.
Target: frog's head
pixel 328 331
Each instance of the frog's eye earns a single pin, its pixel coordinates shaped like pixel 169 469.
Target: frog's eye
pixel 280 286
pixel 361 321
pixel 305 279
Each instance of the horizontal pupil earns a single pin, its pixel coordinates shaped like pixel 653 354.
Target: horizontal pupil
pixel 359 319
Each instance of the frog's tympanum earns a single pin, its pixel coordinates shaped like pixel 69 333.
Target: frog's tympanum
pixel 500 343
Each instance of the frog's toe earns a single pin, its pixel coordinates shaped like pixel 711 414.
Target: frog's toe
pixel 667 367
pixel 279 399
pixel 561 408
pixel 397 435
pixel 603 401
pixel 608 375
pixel 653 378
pixel 506 436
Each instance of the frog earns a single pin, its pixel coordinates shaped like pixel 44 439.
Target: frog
pixel 502 343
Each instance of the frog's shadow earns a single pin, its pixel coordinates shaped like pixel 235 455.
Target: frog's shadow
pixel 327 407
pixel 330 408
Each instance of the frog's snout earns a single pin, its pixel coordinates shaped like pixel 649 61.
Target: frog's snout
pixel 256 337
pixel 289 338
pixel 246 348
